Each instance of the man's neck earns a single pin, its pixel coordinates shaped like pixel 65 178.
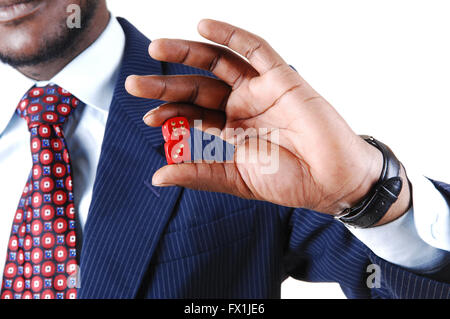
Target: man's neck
pixel 47 70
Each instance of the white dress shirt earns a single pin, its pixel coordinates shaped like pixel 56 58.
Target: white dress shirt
pixel 91 78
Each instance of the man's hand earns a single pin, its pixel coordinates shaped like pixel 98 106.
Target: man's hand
pixel 323 164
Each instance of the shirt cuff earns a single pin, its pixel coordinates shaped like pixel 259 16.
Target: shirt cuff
pixel 431 212
pixel 399 243
pixel 420 239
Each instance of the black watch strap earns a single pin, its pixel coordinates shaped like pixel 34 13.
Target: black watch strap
pixel 381 197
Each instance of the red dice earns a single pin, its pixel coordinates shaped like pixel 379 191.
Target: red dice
pixel 175 129
pixel 176 133
pixel 177 151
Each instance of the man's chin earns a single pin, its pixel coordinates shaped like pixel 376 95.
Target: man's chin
pixel 21 61
pixel 34 40
pixel 33 49
pixel 23 42
pixel 38 54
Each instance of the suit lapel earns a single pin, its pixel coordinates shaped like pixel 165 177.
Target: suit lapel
pixel 127 214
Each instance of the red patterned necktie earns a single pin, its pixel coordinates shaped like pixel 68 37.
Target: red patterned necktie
pixel 41 260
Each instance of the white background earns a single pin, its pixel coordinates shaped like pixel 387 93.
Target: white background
pixel 384 65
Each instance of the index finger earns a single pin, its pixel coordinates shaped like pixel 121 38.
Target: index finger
pixel 257 51
pixel 220 61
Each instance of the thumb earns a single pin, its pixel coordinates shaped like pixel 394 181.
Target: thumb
pixel 214 177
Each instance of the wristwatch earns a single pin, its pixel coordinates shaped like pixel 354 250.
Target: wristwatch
pixel 383 194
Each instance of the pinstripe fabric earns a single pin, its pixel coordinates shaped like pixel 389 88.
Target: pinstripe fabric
pixel 147 242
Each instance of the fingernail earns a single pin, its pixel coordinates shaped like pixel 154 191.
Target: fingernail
pixel 148 114
pixel 157 183
pixel 163 185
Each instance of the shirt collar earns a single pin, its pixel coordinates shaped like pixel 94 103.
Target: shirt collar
pixel 13 85
pixel 91 76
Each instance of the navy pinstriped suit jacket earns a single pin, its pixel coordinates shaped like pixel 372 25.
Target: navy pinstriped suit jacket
pixel 146 242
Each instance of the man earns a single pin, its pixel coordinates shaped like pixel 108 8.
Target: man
pixel 140 236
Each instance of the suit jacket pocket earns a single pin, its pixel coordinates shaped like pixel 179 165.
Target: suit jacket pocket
pixel 206 237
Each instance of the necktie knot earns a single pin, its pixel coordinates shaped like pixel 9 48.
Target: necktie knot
pixel 50 105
